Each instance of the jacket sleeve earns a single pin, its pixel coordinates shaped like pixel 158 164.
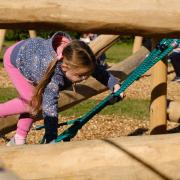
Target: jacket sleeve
pixel 50 104
pixel 105 77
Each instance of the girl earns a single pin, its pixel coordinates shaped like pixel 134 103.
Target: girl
pixel 39 70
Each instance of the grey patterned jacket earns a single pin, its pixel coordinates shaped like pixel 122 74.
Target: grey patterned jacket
pixel 32 57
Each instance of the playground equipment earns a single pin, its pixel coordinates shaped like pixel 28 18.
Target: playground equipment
pixel 137 43
pixel 96 159
pixel 173 111
pixel 2 36
pixel 156 25
pixel 114 17
pixel 6 174
pixel 154 157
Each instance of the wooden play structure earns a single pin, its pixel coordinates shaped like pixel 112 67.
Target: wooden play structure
pixel 137 43
pixel 141 157
pixel 150 157
pixel 6 174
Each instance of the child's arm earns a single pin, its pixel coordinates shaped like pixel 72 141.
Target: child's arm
pixel 106 78
pixel 50 105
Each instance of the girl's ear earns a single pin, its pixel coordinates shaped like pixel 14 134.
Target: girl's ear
pixel 64 66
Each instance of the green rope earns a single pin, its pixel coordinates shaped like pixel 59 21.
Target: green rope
pixel 162 50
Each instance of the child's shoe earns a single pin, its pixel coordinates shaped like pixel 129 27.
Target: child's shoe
pixel 47 141
pixel 16 140
pixel 11 142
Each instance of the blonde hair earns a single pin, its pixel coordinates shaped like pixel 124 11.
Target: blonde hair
pixel 78 54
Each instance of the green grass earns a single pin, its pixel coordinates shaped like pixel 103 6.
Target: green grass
pixel 132 108
pixel 119 52
pixel 7 94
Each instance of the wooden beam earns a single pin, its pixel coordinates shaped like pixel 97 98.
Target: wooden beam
pixel 6 174
pixel 86 89
pixel 158 107
pixel 128 158
pixel 174 111
pixel 32 33
pixel 137 43
pixel 152 18
pixel 2 37
pixel 102 43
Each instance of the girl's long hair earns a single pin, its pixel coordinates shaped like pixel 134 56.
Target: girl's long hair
pixel 78 54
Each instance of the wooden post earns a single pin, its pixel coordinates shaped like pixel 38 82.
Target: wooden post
pixel 2 37
pixel 173 111
pixel 158 114
pixel 32 33
pixel 137 43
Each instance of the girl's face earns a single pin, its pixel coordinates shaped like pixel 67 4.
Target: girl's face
pixel 75 75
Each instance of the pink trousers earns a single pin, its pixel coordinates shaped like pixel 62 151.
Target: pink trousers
pixel 18 105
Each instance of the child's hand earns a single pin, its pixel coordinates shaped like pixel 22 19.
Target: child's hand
pixel 114 99
pixel 177 49
pixel 116 88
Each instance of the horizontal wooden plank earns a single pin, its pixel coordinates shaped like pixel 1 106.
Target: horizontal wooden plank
pixel 142 17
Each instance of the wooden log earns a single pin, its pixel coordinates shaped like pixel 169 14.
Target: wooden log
pixel 158 107
pixel 103 43
pixel 2 37
pixel 32 33
pixel 114 17
pixel 174 111
pixel 137 43
pixel 6 174
pixel 133 158
pixel 86 89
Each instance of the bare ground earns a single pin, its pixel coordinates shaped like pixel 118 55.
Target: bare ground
pixel 110 126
